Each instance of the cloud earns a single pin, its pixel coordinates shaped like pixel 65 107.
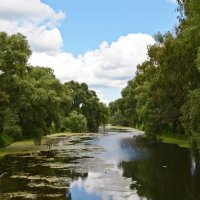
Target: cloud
pixel 104 187
pixel 36 20
pixel 107 66
pixel 32 9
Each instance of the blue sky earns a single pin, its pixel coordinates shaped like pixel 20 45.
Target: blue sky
pixel 89 22
pixel 99 42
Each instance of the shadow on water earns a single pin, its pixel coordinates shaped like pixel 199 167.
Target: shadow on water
pixel 114 166
pixel 24 177
pixel 166 173
pixel 145 170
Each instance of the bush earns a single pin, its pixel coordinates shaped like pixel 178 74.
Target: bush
pixel 5 140
pixel 75 122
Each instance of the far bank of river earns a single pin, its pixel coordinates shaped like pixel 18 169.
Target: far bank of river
pixel 181 141
pixel 28 146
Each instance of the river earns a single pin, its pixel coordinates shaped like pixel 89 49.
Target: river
pixel 117 165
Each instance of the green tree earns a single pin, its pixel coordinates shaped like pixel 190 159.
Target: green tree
pixel 34 102
pixel 14 55
pixel 75 122
pixel 161 85
pixel 86 102
pixel 191 119
pixel 116 112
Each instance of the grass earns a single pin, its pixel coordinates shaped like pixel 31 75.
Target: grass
pixel 180 141
pixel 24 146
pixel 28 146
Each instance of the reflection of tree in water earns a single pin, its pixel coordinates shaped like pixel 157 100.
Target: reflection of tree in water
pixel 165 175
pixel 68 196
pixel 38 175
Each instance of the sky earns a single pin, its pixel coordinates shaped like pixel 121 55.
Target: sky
pixel 99 42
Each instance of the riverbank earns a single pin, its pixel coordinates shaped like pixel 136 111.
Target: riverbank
pixel 181 141
pixel 28 146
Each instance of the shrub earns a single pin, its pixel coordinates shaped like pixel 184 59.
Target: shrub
pixel 75 122
pixel 5 140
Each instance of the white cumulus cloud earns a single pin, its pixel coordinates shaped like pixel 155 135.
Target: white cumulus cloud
pixel 107 66
pixel 32 9
pixel 36 20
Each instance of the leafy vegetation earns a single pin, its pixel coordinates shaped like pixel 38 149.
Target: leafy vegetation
pixel 164 96
pixel 75 123
pixel 33 102
pixel 181 141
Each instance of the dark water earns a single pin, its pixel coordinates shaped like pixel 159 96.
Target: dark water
pixel 112 166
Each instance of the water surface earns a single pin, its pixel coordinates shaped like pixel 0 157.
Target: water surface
pixel 112 166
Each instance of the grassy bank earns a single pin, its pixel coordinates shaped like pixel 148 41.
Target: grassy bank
pixel 28 146
pixel 181 141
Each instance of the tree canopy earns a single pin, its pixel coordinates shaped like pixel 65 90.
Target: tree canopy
pixel 164 97
pixel 35 103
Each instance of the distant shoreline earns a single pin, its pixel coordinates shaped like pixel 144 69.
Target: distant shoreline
pixel 180 141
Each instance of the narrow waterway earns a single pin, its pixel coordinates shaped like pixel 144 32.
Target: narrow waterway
pixel 117 165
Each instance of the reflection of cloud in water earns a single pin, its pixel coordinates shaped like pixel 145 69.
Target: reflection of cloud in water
pixel 105 181
pixel 193 165
pixel 105 186
pixel 122 147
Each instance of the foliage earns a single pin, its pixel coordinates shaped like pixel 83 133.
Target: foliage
pixel 116 113
pixel 191 113
pixel 191 119
pixel 195 145
pixel 34 102
pixel 10 126
pixel 5 140
pixel 86 102
pixel 164 95
pixel 75 122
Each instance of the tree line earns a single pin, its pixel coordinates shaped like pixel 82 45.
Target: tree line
pixel 164 95
pixel 33 102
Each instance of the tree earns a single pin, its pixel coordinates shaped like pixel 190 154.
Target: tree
pixel 191 119
pixel 75 122
pixel 116 112
pixel 14 54
pixel 86 102
pixel 31 98
pixel 162 83
pixel 34 102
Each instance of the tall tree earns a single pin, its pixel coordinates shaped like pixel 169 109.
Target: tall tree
pixel 86 102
